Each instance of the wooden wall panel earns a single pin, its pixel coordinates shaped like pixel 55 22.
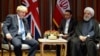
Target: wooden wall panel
pixel 98 9
pixel 77 7
pixel 44 15
pixel 7 7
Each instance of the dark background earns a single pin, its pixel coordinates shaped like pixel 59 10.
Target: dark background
pixel 77 7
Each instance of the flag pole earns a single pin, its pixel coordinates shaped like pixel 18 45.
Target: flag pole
pixel 50 5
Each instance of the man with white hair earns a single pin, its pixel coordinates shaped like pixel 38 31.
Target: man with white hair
pixel 86 35
pixel 16 30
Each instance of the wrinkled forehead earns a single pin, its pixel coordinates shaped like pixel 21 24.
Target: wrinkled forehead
pixel 87 12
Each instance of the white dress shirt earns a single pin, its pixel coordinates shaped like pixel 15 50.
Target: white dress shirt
pixel 21 29
pixel 66 26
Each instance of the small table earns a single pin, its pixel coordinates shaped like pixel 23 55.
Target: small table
pixel 44 42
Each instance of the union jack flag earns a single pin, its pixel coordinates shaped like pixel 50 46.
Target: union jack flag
pixel 33 17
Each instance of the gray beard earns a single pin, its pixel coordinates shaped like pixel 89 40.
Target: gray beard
pixel 86 19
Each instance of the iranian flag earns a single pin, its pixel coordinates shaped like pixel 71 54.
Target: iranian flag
pixel 60 8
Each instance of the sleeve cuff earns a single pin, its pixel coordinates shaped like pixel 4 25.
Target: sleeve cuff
pixel 88 35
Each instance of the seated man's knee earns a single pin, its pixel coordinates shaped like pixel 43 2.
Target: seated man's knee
pixel 91 43
pixel 35 43
pixel 17 45
pixel 75 41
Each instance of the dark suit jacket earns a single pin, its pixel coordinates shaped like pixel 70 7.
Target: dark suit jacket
pixel 96 29
pixel 71 27
pixel 10 25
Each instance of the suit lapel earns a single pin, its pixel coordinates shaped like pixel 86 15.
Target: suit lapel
pixel 16 20
pixel 64 23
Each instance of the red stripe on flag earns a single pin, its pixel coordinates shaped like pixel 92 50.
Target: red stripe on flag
pixel 60 8
pixel 34 12
pixel 33 8
pixel 57 16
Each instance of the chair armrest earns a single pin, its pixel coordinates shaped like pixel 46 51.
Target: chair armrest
pixel 98 45
pixel 1 39
pixel 9 44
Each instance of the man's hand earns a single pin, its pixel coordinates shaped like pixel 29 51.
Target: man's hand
pixel 8 36
pixel 82 38
pixel 29 36
pixel 65 36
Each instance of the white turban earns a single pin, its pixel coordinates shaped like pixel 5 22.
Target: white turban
pixel 91 10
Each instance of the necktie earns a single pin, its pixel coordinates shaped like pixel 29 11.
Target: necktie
pixel 21 29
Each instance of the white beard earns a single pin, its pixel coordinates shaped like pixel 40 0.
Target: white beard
pixel 87 18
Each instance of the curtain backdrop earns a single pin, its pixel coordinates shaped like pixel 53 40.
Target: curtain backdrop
pixel 77 7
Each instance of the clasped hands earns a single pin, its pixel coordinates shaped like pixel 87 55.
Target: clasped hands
pixel 82 38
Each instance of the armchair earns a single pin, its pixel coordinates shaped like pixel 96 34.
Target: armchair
pixel 8 46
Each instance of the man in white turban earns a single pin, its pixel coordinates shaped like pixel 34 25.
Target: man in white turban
pixel 89 11
pixel 86 35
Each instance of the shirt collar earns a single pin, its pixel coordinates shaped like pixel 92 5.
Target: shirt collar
pixel 18 17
